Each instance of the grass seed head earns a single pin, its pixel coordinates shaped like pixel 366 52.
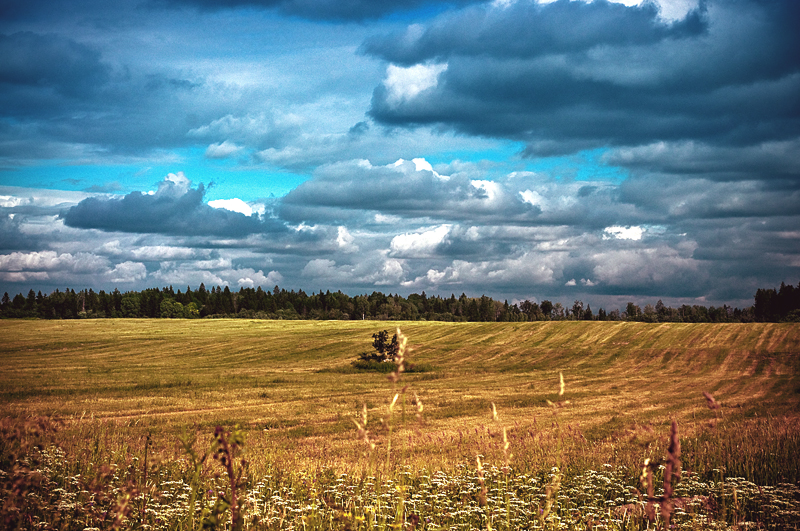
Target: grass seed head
pixel 506 446
pixel 418 403
pixel 399 358
pixel 712 404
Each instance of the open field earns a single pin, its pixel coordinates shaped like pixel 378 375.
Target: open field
pixel 290 386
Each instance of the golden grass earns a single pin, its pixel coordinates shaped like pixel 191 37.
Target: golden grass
pixel 289 384
pixel 136 402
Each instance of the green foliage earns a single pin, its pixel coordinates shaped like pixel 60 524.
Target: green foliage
pixel 778 305
pixel 171 309
pixel 383 356
pixel 373 365
pixel 130 305
pixel 256 303
pixel 384 350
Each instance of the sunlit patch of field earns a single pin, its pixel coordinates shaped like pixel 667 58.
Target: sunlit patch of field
pixel 291 388
pixel 294 379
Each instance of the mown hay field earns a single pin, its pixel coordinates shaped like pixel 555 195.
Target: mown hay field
pixel 119 393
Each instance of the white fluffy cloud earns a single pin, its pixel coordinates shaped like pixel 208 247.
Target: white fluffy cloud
pixel 529 268
pixel 533 198
pixel 175 184
pixel 404 84
pixel 151 253
pixel 128 272
pixel 188 276
pixel 234 205
pixel 374 269
pixel 215 272
pixel 646 267
pixel 345 240
pixel 24 276
pixel 7 201
pixel 52 261
pixel 623 233
pixel 222 150
pixel 65 268
pixel 257 278
pixel 419 244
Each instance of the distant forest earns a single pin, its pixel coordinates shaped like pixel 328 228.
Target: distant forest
pixel 770 305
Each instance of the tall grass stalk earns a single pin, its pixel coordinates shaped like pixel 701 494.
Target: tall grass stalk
pixel 197 462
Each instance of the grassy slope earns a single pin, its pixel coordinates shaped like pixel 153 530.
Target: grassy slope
pixel 289 384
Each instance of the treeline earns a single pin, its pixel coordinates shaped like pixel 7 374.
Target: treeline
pixel 256 303
pixel 778 305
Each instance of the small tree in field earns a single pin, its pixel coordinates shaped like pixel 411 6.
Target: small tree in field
pixel 384 349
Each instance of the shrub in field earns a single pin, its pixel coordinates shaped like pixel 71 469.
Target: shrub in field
pixel 381 357
pixel 384 356
pixel 384 350
pixel 372 365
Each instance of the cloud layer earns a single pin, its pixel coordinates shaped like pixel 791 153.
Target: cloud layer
pixel 572 75
pixel 174 209
pixel 599 150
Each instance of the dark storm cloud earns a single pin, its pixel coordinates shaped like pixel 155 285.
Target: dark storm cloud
pixel 340 10
pixel 727 74
pixel 748 250
pixel 675 199
pixel 11 237
pixel 528 29
pixel 399 189
pixel 38 73
pixel 15 10
pixel 476 244
pixel 345 191
pixel 132 80
pixel 61 100
pixel 769 160
pixel 173 210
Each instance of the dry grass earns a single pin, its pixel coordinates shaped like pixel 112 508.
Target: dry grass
pixel 289 383
pixel 290 387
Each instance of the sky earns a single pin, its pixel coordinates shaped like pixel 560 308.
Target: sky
pixel 603 151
